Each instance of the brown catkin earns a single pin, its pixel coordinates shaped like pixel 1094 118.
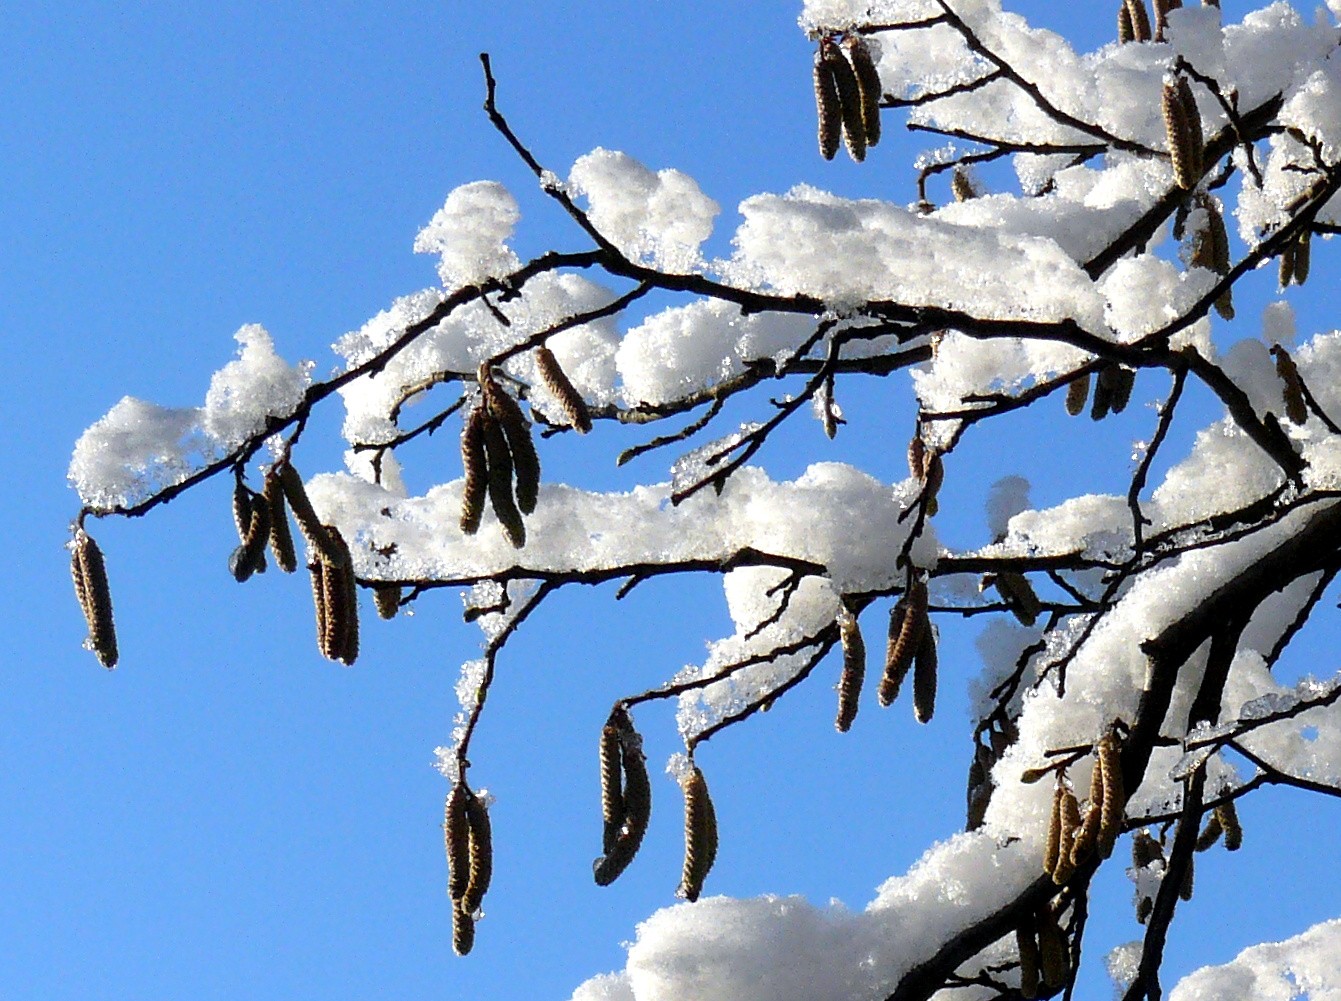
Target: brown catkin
pixel 386 599
pixel 456 839
pixel 1103 392
pixel 481 854
pixel 521 447
pixel 1052 850
pixel 854 670
pixel 463 931
pixel 1113 796
pixel 868 86
pixel 907 620
pixel 1019 595
pixel 557 382
pixel 700 835
pixel 924 676
pixel 1054 963
pixel 961 185
pixel 1124 28
pixel 917 458
pixel 1070 823
pixel 828 414
pixel 1162 8
pixel 318 570
pixel 1087 836
pixel 827 107
pixel 1296 408
pixel 241 509
pixel 1145 849
pixel 281 537
pixel 1140 20
pixel 339 640
pixel 249 508
pixel 637 812
pixel 612 778
pixel 849 99
pixel 476 482
pixel 1302 255
pixel 1123 380
pixel 1210 834
pixel 1178 132
pixel 303 513
pixel 499 461
pixel 1228 816
pixel 1027 946
pixel 1078 391
pixel 89 571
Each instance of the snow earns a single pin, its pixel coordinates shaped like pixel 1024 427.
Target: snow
pixel 1302 968
pixel 469 234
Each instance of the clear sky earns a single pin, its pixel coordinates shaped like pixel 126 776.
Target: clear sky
pixel 229 816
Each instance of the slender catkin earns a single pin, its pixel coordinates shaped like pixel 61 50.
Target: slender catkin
pixel 89 571
pixel 1178 132
pixel 961 185
pixel 868 86
pixel 499 461
pixel 1052 851
pixel 517 433
pixel 1123 381
pixel 463 931
pixel 306 516
pixel 1302 255
pixel 1162 8
pixel 924 676
pixel 252 515
pixel 1078 392
pixel 907 620
pixel 1070 823
pixel 1103 392
pixel 339 639
pixel 854 670
pixel 241 509
pixel 1124 28
pixel 1140 20
pixel 1296 408
pixel 1228 816
pixel 1054 963
pixel 827 108
pixel 476 472
pixel 849 99
pixel 1082 845
pixel 557 382
pixel 1019 595
pixel 612 778
pixel 637 812
pixel 481 854
pixel 456 839
pixel 1113 795
pixel 700 835
pixel 386 599
pixel 1210 834
pixel 281 537
pixel 917 458
pixel 1145 849
pixel 318 570
pixel 1026 944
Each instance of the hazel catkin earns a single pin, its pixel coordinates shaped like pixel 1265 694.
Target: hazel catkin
pixel 89 571
pixel 700 835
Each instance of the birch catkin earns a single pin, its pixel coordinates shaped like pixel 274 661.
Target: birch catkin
pixel 1228 815
pixel 1183 131
pixel 1026 944
pixel 386 599
pixel 907 620
pixel 1078 391
pixel 1296 408
pixel 827 107
pixel 1124 27
pixel 281 538
pixel 1052 850
pixel 476 482
pixel 700 835
pixel 1088 833
pixel 557 382
pixel 637 811
pixel 854 670
pixel 612 778
pixel 924 676
pixel 303 513
pixel 89 571
pixel 499 461
pixel 1069 824
pixel 456 839
pixel 1140 20
pixel 517 433
pixel 1113 793
pixel 481 854
pixel 868 86
pixel 849 99
pixel 463 931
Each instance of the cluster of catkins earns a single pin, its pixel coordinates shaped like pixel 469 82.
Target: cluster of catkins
pixel 470 861
pixel 847 96
pixel 498 453
pixel 626 808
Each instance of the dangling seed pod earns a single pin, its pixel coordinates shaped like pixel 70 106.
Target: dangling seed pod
pixel 1113 795
pixel 1078 391
pixel 1183 132
pixel 849 99
pixel 463 931
pixel 1019 596
pixel 517 432
pixel 961 186
pixel 251 514
pixel 325 638
pixel 1027 946
pixel 1123 380
pixel 907 621
pixel 637 811
pixel 854 670
pixel 924 676
pixel 308 522
pixel 1052 850
pixel 1103 391
pixel 1210 834
pixel 1124 27
pixel 1070 823
pixel 1054 962
pixel 612 777
pixel 481 854
pixel 337 604
pixel 868 86
pixel 499 462
pixel 386 599
pixel 281 538
pixel 1082 845
pixel 1210 249
pixel 1228 816
pixel 557 382
pixel 476 472
pixel 1140 20
pixel 456 839
pixel 1162 8
pixel 830 112
pixel 700 835
pixel 89 571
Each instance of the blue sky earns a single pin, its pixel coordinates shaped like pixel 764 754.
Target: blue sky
pixel 227 815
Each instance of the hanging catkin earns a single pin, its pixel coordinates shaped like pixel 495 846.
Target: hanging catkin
pixel 303 513
pixel 1078 391
pixel 1140 20
pixel 517 433
pixel 1292 392
pixel 456 839
pixel 1228 816
pixel 1070 823
pixel 700 835
pixel 827 108
pixel 386 599
pixel 1124 28
pixel 1052 850
pixel 854 670
pixel 1113 794
pixel 612 776
pixel 849 99
pixel 1026 944
pixel 476 482
pixel 637 811
pixel 907 620
pixel 89 571
pixel 481 854
pixel 557 382
pixel 1082 845
pixel 1182 128
pixel 868 86
pixel 281 538
pixel 499 461
pixel 924 676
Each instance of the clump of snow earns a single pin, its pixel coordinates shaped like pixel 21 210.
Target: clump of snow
pixel 470 232
pixel 662 216
pixel 1303 968
pixel 258 385
pixel 1007 497
pixel 1278 323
